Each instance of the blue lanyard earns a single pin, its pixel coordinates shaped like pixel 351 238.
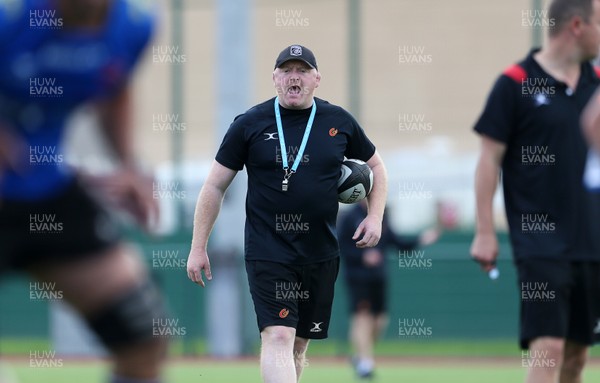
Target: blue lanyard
pixel 299 155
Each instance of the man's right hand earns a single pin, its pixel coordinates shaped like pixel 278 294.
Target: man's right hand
pixel 198 261
pixel 484 250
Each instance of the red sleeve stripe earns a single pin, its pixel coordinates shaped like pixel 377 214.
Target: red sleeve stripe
pixel 516 72
pixel 597 70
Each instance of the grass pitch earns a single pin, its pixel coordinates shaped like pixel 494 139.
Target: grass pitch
pixel 423 362
pixel 421 370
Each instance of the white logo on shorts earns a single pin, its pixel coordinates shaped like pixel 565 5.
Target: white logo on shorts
pixel 270 136
pixel 597 328
pixel 296 50
pixel 317 327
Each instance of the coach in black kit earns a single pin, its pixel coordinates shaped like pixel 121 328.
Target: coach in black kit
pixel 530 129
pixel 293 147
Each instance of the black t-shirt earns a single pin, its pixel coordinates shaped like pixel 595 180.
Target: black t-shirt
pixel 549 212
pixel 297 226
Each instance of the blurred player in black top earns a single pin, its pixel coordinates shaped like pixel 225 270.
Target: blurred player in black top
pixel 366 279
pixel 530 131
pixel 292 147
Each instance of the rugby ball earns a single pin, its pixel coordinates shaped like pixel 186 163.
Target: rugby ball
pixel 355 182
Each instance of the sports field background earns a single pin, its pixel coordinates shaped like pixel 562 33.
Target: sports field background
pixel 435 294
pixel 472 319
pixel 415 74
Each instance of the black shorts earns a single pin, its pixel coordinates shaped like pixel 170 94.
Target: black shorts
pixel 62 228
pixel 367 294
pixel 293 296
pixel 559 299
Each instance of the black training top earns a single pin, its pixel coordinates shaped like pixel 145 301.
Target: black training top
pixel 354 267
pixel 550 214
pixel 297 226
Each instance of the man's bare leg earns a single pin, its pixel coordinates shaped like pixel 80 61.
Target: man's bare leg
pixel 276 355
